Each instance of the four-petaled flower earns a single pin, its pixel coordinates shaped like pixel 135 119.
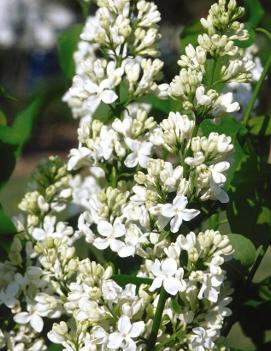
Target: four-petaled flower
pixel 169 275
pixel 177 212
pixel 140 154
pixel 32 317
pixel 110 234
pixel 127 331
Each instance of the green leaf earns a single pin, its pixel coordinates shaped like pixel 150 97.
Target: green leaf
pixel 21 129
pixel 103 113
pixel 255 12
pixel 227 125
pixel 260 125
pixel 250 199
pixel 123 279
pixel 7 161
pixel 12 139
pixel 67 44
pixel 163 105
pixel 190 34
pixel 244 250
pixel 176 306
pixel 7 231
pixel 265 289
pixel 6 225
pixel 55 347
pixel 3 119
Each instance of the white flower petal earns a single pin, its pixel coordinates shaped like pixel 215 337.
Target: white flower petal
pixel 39 234
pixel 172 285
pixel 168 210
pixel 124 325
pixel 108 96
pixel 101 244
pixel 116 245
pixel 175 223
pixel 169 266
pixel 156 284
pixel 105 228
pixel 189 214
pixel 22 317
pixel 114 341
pixel 36 323
pixel 137 329
pixel 131 160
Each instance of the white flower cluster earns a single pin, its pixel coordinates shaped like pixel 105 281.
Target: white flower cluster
pixel 139 187
pixel 126 35
pixel 195 86
pixel 242 92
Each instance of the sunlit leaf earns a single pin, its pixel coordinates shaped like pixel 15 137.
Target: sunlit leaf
pixel 260 125
pixel 244 250
pixel 67 44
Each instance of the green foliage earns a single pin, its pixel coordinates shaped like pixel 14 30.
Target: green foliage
pixel 244 250
pixel 162 106
pixel 250 193
pixel 3 119
pixel 55 347
pixel 255 12
pixel 123 279
pixel 260 126
pixel 67 43
pixel 12 139
pixel 7 230
pixel 190 34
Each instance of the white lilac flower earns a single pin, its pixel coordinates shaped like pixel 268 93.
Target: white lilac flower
pixel 78 158
pixel 210 287
pixel 217 172
pixel 127 331
pixel 32 317
pixel 201 339
pixel 225 104
pixel 170 177
pixel 8 296
pixel 84 222
pixel 168 275
pixel 111 234
pixel 202 99
pixel 141 152
pixel 51 228
pixel 177 212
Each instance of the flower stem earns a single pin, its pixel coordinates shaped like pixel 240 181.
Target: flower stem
pixel 259 84
pixel 264 31
pixel 157 319
pixel 114 179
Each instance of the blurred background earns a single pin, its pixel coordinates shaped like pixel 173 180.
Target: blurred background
pixel 29 31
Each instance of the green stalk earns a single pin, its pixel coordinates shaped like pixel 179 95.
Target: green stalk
pixel 114 177
pixel 259 84
pixel 264 31
pixel 157 320
pixel 257 263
